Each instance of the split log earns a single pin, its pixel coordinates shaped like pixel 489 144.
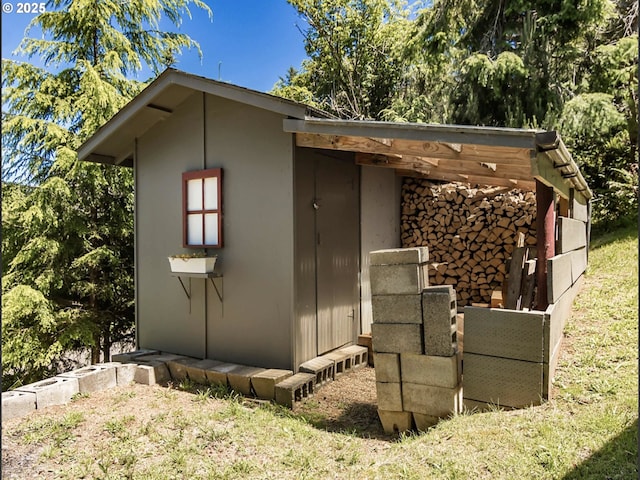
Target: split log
pixel 470 232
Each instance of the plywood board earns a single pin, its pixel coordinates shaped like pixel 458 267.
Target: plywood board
pixel 572 235
pixel 559 278
pixel 578 264
pixel 504 333
pixel 579 208
pixel 502 381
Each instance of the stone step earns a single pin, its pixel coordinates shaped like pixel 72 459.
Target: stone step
pixel 323 368
pixel 295 389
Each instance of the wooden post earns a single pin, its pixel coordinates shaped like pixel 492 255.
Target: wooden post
pixel 546 242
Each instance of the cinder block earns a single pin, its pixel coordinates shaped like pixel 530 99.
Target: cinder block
pixel 52 391
pixel 151 373
pixel 93 378
pixel 430 400
pixel 387 367
pixel 399 256
pixel 389 396
pixel 240 378
pixel 342 362
pixel 397 338
pixel 424 422
pixel 322 367
pixel 217 374
pixel 125 372
pixel 178 367
pixel 439 313
pixel 473 406
pixel 395 422
pixel 433 370
pixel 398 279
pixel 130 356
pixel 264 383
pixel 502 381
pixel 358 354
pixel 17 404
pixel 295 389
pixel 397 308
pixel 505 333
pixel 196 371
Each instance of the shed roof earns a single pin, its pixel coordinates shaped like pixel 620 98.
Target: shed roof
pixel 477 155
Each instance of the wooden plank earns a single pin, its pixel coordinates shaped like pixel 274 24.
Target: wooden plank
pixel 514 284
pixel 578 207
pixel 545 238
pixel 502 381
pixel 445 166
pixel 544 171
pixel 572 235
pixel 482 153
pixel 559 276
pixel 578 263
pixel 528 283
pixel 504 333
pixel 557 315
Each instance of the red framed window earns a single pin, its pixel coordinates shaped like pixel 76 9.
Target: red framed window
pixel 202 208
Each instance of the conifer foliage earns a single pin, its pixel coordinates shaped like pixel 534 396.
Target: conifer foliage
pixel 67 225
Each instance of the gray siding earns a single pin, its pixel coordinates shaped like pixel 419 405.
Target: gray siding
pixel 166 319
pixel 380 225
pixel 253 323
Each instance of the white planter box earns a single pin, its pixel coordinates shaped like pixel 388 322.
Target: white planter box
pixel 192 265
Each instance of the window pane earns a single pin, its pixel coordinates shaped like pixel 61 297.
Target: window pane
pixel 211 193
pixel 194 194
pixel 194 229
pixel 211 229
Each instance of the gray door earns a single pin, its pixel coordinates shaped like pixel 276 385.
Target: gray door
pixel 337 221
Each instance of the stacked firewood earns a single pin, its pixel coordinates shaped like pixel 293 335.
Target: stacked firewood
pixel 470 232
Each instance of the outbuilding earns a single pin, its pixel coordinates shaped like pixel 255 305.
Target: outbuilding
pixel 291 201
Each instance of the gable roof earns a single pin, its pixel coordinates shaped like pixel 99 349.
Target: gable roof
pixel 508 157
pixel 113 143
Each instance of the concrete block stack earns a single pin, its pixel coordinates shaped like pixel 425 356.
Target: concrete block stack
pixel 417 363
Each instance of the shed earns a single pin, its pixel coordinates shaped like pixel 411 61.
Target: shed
pixel 300 202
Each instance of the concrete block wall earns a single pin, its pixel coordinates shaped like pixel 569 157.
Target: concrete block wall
pixel 414 340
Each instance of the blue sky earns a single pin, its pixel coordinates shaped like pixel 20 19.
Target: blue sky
pixel 250 43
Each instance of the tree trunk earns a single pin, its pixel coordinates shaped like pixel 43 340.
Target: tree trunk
pixel 106 346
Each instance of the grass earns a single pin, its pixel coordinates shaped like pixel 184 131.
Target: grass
pixel 588 431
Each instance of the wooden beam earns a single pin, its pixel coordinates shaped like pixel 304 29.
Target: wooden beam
pixel 471 179
pixel 473 153
pixel 445 166
pixel 542 169
pixel 545 226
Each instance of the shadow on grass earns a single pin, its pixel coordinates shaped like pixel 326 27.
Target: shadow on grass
pixel 617 459
pixel 357 419
pixel 603 236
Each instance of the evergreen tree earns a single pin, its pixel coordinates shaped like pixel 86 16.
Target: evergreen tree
pixel 355 55
pixel 68 238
